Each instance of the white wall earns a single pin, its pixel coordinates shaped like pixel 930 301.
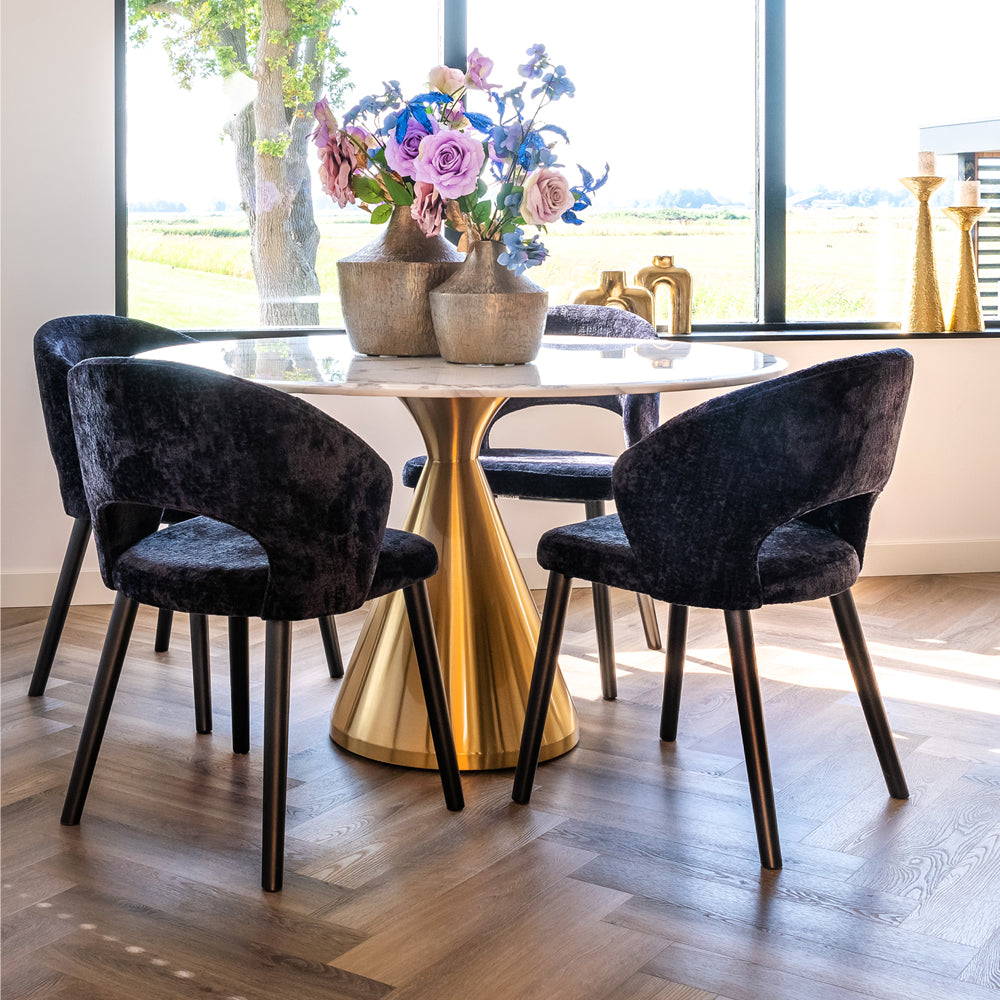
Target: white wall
pixel 941 512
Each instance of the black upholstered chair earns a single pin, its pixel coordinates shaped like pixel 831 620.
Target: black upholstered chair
pixel 760 496
pixel 58 345
pixel 288 522
pixel 574 476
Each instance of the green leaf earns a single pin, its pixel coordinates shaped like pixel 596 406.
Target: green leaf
pixel 381 214
pixel 505 189
pixel 482 212
pixel 480 188
pixel 399 193
pixel 366 189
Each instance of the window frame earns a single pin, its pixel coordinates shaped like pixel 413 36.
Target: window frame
pixel 770 257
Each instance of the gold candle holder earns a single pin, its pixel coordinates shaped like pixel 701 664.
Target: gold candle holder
pixel 966 313
pixel 922 310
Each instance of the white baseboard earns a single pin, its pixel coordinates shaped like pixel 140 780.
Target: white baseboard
pixel 972 555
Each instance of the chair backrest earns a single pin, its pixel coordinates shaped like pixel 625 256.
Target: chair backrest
pixel 698 496
pixel 155 434
pixel 640 413
pixel 64 342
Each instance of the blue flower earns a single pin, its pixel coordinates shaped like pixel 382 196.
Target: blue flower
pixel 533 67
pixel 521 253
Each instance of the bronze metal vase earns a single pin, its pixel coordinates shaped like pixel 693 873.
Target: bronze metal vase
pixel 384 288
pixel 487 315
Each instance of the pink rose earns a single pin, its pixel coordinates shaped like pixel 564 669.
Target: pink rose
pixel 427 209
pixel 337 162
pixel 451 161
pixel 479 68
pixel 546 196
pixel 448 81
pixel 400 155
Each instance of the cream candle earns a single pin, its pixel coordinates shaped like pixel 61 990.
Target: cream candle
pixel 967 193
pixel 925 163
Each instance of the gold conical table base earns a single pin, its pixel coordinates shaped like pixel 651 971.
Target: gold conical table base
pixel 484 617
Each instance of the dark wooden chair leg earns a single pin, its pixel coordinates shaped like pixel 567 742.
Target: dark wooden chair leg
pixel 605 641
pixel 164 622
pixel 418 611
pixel 650 626
pixel 852 636
pixel 331 646
pixel 674 674
pixel 277 686
pixel 105 683
pixel 201 671
pixel 68 575
pixel 748 702
pixel 542 677
pixel 239 682
pixel 602 621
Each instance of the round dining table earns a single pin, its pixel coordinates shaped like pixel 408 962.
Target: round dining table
pixel 484 616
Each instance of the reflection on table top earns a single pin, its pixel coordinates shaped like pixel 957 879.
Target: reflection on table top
pixel 565 366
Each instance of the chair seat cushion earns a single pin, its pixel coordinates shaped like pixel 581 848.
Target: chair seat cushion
pixel 796 562
pixel 572 476
pixel 204 566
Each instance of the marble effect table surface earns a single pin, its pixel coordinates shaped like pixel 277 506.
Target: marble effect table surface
pixel 565 366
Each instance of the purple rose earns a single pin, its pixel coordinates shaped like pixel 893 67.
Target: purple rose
pixel 401 155
pixel 451 161
pixel 427 209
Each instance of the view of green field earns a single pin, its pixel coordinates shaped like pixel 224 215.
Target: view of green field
pixel 194 272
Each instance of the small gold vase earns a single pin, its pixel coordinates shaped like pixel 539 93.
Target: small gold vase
pixel 677 281
pixel 966 312
pixel 614 292
pixel 922 310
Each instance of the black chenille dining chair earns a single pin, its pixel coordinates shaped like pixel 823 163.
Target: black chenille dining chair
pixel 58 345
pixel 760 496
pixel 288 522
pixel 574 476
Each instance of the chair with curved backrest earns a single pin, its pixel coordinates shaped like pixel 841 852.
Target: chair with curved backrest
pixel 574 476
pixel 760 496
pixel 58 345
pixel 288 522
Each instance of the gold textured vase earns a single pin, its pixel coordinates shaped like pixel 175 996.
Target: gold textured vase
pixel 613 291
pixel 966 312
pixel 384 288
pixel 677 281
pixel 484 314
pixel 922 309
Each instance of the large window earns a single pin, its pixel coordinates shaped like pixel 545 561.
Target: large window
pixel 761 149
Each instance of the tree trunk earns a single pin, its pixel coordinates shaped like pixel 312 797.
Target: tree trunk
pixel 284 267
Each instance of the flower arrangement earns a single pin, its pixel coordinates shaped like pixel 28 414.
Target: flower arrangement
pixel 430 152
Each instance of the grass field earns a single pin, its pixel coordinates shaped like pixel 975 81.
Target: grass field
pixel 195 272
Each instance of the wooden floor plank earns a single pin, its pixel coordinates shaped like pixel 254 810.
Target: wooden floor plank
pixel 632 875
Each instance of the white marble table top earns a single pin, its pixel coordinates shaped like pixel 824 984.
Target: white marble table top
pixel 565 366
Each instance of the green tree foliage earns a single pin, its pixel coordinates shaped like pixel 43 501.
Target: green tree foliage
pixel 287 48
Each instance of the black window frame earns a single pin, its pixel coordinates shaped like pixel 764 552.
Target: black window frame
pixel 770 259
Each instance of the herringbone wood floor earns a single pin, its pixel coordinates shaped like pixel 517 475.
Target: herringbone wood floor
pixel 633 874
